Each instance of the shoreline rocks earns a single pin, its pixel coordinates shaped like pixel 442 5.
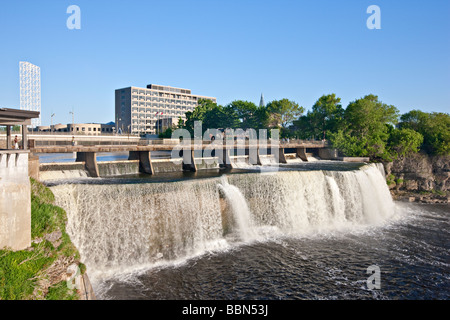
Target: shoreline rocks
pixel 419 178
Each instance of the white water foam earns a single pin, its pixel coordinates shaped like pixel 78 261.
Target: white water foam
pixel 125 228
pixel 241 213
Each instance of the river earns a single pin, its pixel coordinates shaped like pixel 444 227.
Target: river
pixel 308 231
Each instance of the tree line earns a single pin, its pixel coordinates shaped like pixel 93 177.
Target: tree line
pixel 367 127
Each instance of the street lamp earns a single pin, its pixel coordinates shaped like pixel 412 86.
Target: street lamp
pixel 51 122
pixel 73 115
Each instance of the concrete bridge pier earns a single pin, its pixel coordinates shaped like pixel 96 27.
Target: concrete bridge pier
pixel 188 160
pixel 253 156
pixel 281 156
pixel 90 162
pixel 301 153
pixel 224 158
pixel 145 161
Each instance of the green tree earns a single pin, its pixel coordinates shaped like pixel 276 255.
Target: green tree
pixel 246 113
pixel 366 127
pixel 434 127
pixel 404 141
pixel 180 123
pixel 212 116
pixel 327 113
pixel 368 116
pixel 303 128
pixel 198 114
pixel 326 116
pixel 219 117
pixel 283 112
pixel 167 134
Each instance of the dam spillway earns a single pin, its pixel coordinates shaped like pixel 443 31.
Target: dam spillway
pixel 123 227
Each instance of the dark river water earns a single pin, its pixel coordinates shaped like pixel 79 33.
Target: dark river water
pixel 412 255
pixel 409 253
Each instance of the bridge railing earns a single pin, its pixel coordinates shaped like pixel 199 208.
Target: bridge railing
pixel 238 143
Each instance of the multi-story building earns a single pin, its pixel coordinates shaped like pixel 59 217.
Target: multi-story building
pixel 139 110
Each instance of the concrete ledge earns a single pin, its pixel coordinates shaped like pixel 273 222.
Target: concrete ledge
pixel 354 159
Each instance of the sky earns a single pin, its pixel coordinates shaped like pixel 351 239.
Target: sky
pixel 231 50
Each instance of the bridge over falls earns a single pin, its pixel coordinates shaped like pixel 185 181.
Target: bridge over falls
pixel 187 151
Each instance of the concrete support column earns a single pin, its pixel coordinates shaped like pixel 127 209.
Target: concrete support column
pixel 188 161
pixel 281 156
pixel 145 161
pixel 24 137
pixel 8 137
pixel 224 158
pixel 253 156
pixel 301 153
pixel 90 162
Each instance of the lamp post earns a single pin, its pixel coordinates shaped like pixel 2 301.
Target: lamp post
pixel 51 123
pixel 73 115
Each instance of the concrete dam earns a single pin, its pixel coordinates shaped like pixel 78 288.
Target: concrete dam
pixel 122 228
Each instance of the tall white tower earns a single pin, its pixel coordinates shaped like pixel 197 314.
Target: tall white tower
pixel 30 89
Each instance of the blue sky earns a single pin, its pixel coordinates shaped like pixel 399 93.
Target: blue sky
pixel 228 49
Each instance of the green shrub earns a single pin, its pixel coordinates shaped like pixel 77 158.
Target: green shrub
pixel 21 271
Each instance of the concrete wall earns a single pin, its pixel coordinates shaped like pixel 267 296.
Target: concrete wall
pixel 15 200
pixel 328 154
pixel 33 166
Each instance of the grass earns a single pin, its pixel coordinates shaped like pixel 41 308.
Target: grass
pixel 36 273
pixel 61 292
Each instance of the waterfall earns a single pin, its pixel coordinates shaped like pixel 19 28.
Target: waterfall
pixel 118 168
pixel 119 227
pixel 239 209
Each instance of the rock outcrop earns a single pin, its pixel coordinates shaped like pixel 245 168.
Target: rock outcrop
pixel 420 177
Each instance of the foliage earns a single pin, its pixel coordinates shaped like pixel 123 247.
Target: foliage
pixel 246 113
pixel 404 141
pixel 18 271
pixel 60 291
pixel 22 272
pixel 365 128
pixel 241 114
pixel 283 112
pixel 166 134
pixel 326 116
pixel 434 127
pixel 212 116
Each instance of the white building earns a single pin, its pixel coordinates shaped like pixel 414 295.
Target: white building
pixel 138 110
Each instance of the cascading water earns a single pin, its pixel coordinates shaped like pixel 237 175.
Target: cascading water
pixel 123 227
pixel 239 209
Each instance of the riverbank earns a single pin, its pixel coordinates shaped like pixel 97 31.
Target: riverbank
pixel 419 178
pixel 50 269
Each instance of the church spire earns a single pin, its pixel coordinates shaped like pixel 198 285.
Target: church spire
pixel 261 102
